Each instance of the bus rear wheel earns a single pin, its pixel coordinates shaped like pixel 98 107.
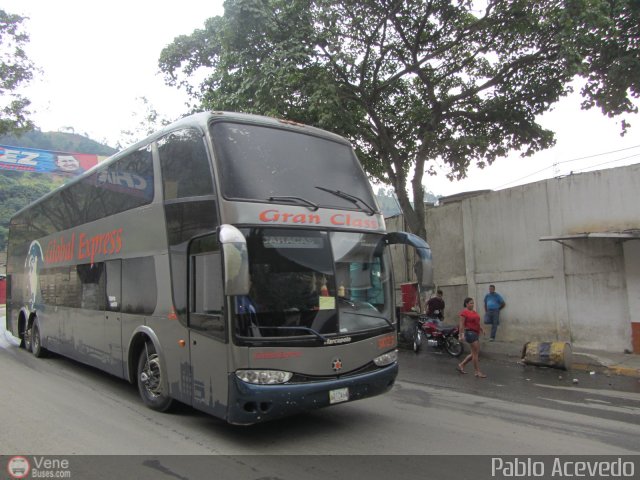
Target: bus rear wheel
pixel 36 345
pixel 152 384
pixel 26 338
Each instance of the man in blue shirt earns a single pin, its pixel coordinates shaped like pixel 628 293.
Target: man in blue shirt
pixel 493 303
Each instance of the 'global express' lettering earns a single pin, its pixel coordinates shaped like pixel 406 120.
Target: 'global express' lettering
pixel 337 219
pixel 61 250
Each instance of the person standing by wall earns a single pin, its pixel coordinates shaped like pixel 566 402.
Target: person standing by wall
pixel 470 330
pixel 493 303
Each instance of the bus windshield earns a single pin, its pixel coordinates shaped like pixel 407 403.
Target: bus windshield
pixel 314 284
pixel 265 164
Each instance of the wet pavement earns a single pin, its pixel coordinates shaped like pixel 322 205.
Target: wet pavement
pixel 596 386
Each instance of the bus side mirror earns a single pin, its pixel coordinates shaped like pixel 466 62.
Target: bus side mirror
pixel 424 267
pixel 236 260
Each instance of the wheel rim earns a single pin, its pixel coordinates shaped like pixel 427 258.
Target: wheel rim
pixel 151 375
pixel 417 340
pixel 35 342
pixel 454 347
pixel 27 339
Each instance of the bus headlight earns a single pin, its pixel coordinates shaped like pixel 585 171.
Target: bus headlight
pixel 264 377
pixel 386 359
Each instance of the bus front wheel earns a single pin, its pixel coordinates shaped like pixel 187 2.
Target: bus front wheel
pixel 151 380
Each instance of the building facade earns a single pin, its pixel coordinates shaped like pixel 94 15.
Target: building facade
pixel 564 253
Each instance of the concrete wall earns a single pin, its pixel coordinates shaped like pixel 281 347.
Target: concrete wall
pixel 585 290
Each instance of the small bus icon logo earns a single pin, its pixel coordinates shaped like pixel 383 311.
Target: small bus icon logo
pixel 18 467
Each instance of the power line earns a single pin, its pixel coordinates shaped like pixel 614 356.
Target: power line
pixel 599 154
pixel 606 163
pixel 575 160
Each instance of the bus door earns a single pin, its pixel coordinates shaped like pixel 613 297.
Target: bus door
pixel 113 317
pixel 207 327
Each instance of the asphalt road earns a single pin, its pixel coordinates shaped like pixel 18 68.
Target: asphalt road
pixel 612 397
pixel 57 406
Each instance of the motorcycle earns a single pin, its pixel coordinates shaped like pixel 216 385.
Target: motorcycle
pixel 430 333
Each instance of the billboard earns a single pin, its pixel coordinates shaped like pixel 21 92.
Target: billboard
pixel 43 161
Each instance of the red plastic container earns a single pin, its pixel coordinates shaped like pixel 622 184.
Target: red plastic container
pixel 409 296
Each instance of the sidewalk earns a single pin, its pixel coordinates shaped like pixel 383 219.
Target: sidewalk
pixel 582 359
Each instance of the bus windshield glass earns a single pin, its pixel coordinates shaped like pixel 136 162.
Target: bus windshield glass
pixel 266 164
pixel 314 284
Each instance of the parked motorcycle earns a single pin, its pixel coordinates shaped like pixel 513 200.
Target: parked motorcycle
pixel 430 334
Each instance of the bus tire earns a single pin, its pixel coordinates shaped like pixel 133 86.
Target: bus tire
pixel 151 380
pixel 26 338
pixel 36 344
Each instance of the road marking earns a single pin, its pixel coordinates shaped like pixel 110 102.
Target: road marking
pixel 595 400
pixel 595 391
pixel 597 406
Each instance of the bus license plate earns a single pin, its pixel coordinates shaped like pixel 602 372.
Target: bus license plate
pixel 339 395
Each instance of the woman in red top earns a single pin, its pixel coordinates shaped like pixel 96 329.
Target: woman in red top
pixel 470 325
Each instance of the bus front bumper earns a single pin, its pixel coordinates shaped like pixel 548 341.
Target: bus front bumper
pixel 250 403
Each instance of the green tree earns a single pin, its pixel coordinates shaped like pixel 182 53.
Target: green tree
pixel 611 63
pixel 15 70
pixel 413 82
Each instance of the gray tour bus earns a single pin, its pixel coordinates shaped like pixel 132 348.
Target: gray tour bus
pixel 236 263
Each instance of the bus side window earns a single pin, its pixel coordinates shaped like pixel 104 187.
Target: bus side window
pixel 92 286
pixel 207 300
pixel 139 286
pixel 189 205
pixel 185 165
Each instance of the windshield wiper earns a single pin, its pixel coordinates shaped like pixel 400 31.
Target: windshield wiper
pixel 304 329
pixel 296 200
pixel 353 305
pixel 352 198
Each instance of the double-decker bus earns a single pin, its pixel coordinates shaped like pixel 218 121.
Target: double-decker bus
pixel 232 262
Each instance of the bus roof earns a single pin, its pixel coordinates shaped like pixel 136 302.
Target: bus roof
pixel 204 118
pixel 201 120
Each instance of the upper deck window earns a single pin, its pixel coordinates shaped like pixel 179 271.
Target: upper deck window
pixel 185 165
pixel 118 186
pixel 263 163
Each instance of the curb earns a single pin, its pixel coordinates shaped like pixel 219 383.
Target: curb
pixel 590 362
pixel 581 361
pixel 619 370
pixel 625 371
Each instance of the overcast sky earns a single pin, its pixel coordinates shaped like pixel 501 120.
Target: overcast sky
pixel 97 58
